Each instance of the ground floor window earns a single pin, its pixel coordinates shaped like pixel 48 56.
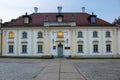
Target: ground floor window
pixel 11 48
pixel 95 48
pixel 24 48
pixel 40 48
pixel 108 48
pixel 80 48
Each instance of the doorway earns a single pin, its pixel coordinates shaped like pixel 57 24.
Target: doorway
pixel 60 50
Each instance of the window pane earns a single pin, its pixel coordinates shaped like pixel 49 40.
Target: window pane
pixel 60 34
pixel 108 48
pixel 40 35
pixel 11 49
pixel 24 35
pixel 26 20
pixel 24 48
pixel 79 34
pixel 80 48
pixel 95 48
pixel 107 34
pixel 11 35
pixel 95 34
pixel 40 48
pixel 59 19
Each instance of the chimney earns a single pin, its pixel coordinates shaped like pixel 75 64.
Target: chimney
pixel 83 9
pixel 36 9
pixel 59 9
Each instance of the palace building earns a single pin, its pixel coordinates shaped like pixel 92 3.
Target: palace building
pixel 60 34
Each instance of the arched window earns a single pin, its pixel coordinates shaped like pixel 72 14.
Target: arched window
pixel 80 34
pixel 11 35
pixel 40 35
pixel 108 34
pixel 60 34
pixel 95 34
pixel 24 35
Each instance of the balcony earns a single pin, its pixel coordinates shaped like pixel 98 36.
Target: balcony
pixel 52 24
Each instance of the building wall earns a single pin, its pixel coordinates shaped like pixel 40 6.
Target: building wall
pixel 119 40
pixel 70 39
pixel 0 41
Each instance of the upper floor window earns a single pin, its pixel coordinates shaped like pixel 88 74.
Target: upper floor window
pixel 60 19
pixel 79 34
pixel 60 34
pixel 95 34
pixel 26 20
pixel 11 35
pixel 40 35
pixel 24 35
pixel 107 34
pixel 93 20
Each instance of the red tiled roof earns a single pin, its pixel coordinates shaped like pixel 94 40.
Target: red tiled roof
pixel 38 19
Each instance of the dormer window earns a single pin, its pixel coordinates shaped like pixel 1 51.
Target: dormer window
pixel 92 18
pixel 60 19
pixel 27 19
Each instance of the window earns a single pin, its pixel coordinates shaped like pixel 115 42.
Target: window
pixel 79 34
pixel 60 19
pixel 95 48
pixel 24 48
pixel 107 34
pixel 24 35
pixel 11 48
pixel 26 20
pixel 40 35
pixel 11 35
pixel 80 48
pixel 40 48
pixel 93 20
pixel 60 34
pixel 108 48
pixel 95 34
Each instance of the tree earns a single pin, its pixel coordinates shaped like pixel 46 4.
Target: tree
pixel 116 21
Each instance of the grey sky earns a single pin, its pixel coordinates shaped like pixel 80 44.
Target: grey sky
pixel 105 9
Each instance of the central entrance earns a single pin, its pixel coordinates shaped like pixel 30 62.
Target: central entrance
pixel 60 50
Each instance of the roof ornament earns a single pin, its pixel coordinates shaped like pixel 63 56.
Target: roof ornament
pixel 59 9
pixel 26 13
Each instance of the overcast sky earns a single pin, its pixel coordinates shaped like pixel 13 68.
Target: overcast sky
pixel 104 9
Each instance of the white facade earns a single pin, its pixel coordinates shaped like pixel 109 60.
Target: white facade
pixel 69 41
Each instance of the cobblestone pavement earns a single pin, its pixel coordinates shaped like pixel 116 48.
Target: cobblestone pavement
pixel 99 69
pixel 59 69
pixel 21 69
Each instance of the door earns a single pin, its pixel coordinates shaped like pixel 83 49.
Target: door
pixel 60 50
